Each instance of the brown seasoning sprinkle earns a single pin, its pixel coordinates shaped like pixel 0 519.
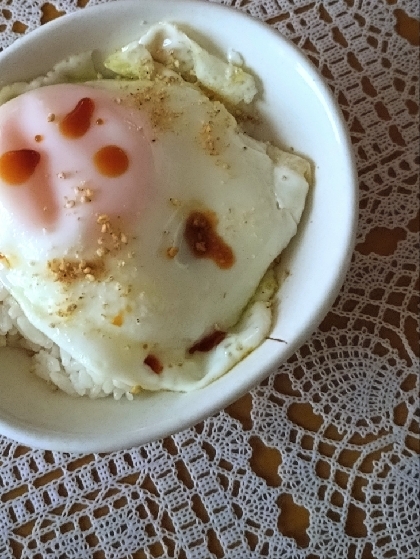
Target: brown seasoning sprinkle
pixel 68 271
pixel 68 311
pixel 207 139
pixel 110 238
pixel 153 100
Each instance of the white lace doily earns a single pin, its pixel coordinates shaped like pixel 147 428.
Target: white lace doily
pixel 320 460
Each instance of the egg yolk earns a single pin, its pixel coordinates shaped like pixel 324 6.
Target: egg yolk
pixel 70 153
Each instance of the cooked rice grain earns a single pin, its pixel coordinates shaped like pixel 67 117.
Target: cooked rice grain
pixel 49 362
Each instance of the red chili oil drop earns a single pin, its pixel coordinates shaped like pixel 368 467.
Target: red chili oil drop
pixel 17 166
pixel 208 342
pixel 77 122
pixel 154 363
pixel 204 241
pixel 111 161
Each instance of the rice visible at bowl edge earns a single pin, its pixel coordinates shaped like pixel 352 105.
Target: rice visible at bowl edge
pixel 49 362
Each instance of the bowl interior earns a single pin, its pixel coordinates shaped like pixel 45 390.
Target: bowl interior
pixel 298 112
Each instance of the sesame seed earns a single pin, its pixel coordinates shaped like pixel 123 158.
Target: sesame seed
pixel 70 204
pixel 51 117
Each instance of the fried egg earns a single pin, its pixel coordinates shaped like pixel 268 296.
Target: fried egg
pixel 136 223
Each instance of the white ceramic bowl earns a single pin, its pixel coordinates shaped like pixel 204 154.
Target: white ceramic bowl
pixel 298 111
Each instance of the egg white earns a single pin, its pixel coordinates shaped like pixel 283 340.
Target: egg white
pixel 202 161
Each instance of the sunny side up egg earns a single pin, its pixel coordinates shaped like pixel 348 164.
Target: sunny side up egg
pixel 136 222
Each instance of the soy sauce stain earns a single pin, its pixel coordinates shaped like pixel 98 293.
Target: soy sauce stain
pixel 17 166
pixel 208 342
pixel 204 241
pixel 77 122
pixel 111 161
pixel 154 363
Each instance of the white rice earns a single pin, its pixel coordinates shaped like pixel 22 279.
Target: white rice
pixel 50 362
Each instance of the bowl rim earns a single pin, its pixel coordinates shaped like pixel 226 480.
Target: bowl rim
pixel 34 437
